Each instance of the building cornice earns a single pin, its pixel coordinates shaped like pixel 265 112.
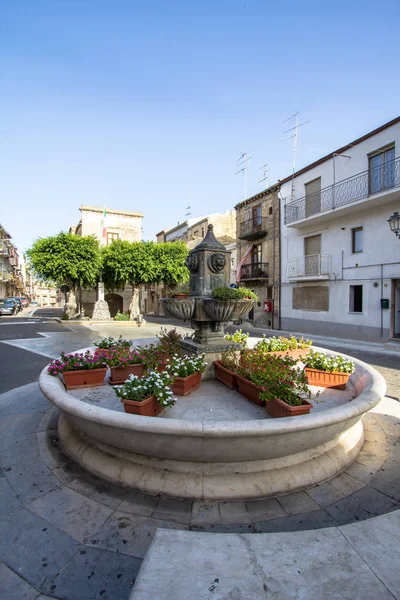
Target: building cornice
pixel 110 211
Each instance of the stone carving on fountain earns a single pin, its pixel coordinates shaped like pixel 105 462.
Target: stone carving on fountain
pixel 209 266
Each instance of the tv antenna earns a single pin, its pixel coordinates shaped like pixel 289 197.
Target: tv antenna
pixel 188 212
pixel 293 136
pixel 264 169
pixel 243 170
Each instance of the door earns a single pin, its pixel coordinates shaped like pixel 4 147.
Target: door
pixel 312 255
pixel 256 214
pixel 396 329
pixel 313 197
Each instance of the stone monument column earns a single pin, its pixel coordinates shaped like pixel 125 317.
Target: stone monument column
pixel 101 312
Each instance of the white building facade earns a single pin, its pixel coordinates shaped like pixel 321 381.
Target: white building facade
pixel 340 263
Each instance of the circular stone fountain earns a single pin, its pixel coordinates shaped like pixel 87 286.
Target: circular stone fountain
pixel 216 459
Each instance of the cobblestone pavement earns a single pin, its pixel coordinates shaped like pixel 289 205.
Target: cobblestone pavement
pixel 71 536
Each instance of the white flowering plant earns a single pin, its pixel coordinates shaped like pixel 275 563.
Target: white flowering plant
pixel 183 366
pixel 281 344
pixel 330 364
pixel 153 384
pixel 110 342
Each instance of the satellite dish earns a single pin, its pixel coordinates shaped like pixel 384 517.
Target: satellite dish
pixel 286 191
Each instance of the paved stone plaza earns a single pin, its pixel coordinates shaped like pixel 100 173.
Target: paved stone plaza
pixel 65 534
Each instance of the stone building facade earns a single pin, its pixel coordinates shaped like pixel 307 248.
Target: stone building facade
pixel 258 254
pixel 11 277
pixel 119 225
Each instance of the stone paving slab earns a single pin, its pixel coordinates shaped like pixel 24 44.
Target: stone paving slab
pixel 121 523
pixel 309 564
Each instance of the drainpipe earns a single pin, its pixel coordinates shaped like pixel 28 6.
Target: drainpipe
pixel 273 263
pixel 280 265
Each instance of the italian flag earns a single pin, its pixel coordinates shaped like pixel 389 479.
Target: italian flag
pixel 103 223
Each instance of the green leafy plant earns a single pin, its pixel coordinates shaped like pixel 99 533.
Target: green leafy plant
pixel 249 294
pixel 75 362
pixel 330 364
pixel 169 339
pixel 239 337
pixel 230 359
pixel 278 377
pixel 281 344
pixel 183 366
pixel 110 342
pixel 226 293
pixel 64 317
pixel 122 317
pixel 155 356
pixel 153 384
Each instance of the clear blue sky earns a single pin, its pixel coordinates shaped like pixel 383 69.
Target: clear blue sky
pixel 139 105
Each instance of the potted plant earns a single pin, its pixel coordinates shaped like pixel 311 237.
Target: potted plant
pixel 181 291
pixel 147 396
pixel 225 369
pixel 227 304
pixel 186 371
pixel 282 346
pixel 155 357
pixel 110 342
pixel 169 340
pixel 122 362
pixel 328 371
pixel 79 369
pixel 273 381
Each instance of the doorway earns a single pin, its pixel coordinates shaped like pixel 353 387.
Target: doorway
pixel 396 308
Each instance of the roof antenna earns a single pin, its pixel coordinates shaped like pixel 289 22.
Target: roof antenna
pixel 243 170
pixel 294 135
pixel 264 169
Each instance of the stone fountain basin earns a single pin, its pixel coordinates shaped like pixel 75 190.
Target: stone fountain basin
pixel 215 460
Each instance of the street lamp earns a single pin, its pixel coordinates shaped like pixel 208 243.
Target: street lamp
pixel 394 222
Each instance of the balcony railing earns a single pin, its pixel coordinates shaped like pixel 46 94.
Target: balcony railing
pixel 313 265
pixel 5 276
pixel 4 249
pixel 253 228
pixel 363 185
pixel 254 271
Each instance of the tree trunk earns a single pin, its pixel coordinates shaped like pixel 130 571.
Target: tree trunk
pixel 134 308
pixel 70 307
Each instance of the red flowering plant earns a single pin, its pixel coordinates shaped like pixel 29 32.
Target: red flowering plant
pixel 117 356
pixel 75 362
pixel 278 377
pixel 169 340
pixel 155 357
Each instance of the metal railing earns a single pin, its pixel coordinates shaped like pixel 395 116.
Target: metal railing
pixel 5 275
pixel 313 265
pixel 254 271
pixel 253 227
pixel 362 185
pixel 4 248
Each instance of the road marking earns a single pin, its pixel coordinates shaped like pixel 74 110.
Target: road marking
pixel 20 322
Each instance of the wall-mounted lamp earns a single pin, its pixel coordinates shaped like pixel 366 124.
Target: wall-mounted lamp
pixel 394 222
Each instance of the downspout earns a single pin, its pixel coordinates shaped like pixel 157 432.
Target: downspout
pixel 273 263
pixel 280 267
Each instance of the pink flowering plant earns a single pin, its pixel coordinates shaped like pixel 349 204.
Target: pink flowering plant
pixel 183 366
pixel 75 362
pixel 278 377
pixel 120 356
pixel 153 384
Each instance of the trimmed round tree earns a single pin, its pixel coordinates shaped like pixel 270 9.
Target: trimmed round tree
pixel 143 263
pixel 67 259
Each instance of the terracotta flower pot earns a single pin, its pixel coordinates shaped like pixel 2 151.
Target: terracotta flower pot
pixel 279 408
pixel 147 408
pixel 326 379
pixel 184 385
pixel 298 353
pixel 249 390
pixel 179 295
pixel 225 375
pixel 121 374
pixel 84 378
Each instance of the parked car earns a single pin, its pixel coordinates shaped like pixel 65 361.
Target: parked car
pixel 17 300
pixel 8 306
pixel 34 303
pixel 24 301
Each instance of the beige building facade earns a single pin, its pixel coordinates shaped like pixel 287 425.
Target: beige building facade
pixel 119 225
pixel 258 254
pixel 11 276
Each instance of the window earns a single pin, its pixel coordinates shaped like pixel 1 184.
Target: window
pixel 381 171
pixel 256 213
pixel 356 299
pixel 356 240
pixel 256 254
pixel 111 237
pixel 313 196
pixel 270 210
pixel 202 232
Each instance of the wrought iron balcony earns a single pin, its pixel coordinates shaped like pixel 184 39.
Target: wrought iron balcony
pixel 314 266
pixel 4 249
pixel 360 186
pixel 253 229
pixel 254 271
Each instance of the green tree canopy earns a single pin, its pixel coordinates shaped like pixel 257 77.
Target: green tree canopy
pixel 66 259
pixel 141 263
